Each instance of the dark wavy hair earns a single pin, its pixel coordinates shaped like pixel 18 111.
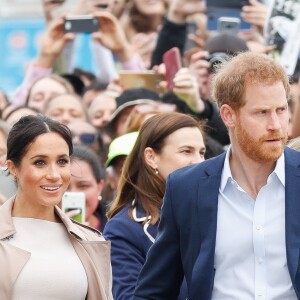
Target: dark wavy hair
pixel 27 129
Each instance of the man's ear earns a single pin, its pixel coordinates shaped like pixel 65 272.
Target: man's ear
pixel 11 168
pixel 228 115
pixel 150 157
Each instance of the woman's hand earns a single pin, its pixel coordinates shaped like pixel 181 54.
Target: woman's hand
pixel 255 14
pixel 73 213
pixel 199 67
pixel 111 35
pixel 179 10
pixel 187 88
pixel 144 44
pixel 52 43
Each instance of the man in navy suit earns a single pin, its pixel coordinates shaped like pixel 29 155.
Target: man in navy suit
pixel 231 225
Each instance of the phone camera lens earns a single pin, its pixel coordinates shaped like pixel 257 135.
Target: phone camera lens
pixel 68 25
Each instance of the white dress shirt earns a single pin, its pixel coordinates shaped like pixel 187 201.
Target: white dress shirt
pixel 250 254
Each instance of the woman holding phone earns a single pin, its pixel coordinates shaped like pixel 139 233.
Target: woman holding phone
pixel 43 254
pixel 88 177
pixel 166 142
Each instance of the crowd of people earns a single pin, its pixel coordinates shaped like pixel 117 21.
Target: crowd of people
pixel 190 191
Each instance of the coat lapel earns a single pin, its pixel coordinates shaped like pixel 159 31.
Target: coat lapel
pixel 207 206
pixel 12 259
pixel 292 211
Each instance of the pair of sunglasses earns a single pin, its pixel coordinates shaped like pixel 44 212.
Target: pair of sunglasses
pixel 86 138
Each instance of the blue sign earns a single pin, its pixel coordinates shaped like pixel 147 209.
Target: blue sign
pixel 19 44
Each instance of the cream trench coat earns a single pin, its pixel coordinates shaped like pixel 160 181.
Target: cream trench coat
pixel 91 248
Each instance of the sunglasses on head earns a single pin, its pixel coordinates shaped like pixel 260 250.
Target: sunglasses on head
pixel 86 138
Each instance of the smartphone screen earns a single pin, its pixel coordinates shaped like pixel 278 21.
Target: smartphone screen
pixel 229 25
pixel 72 201
pixel 217 9
pixel 81 24
pixel 172 62
pixel 191 29
pixel 8 186
pixel 57 1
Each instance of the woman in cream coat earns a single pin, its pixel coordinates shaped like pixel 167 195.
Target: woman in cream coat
pixel 44 254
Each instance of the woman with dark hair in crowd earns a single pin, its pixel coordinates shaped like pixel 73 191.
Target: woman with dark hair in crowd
pixel 88 177
pixel 166 142
pixel 16 113
pixel 43 254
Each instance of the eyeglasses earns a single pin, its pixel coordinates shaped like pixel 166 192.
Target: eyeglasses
pixel 86 138
pixel 147 108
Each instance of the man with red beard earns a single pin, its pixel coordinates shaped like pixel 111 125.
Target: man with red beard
pixel 231 225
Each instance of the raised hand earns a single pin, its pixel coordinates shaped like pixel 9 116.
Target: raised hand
pixel 199 67
pixel 179 10
pixel 53 42
pixel 111 35
pixel 255 14
pixel 186 87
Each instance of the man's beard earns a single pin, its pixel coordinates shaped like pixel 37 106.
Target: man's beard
pixel 258 149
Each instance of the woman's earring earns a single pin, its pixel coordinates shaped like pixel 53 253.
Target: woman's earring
pixel 99 198
pixel 156 171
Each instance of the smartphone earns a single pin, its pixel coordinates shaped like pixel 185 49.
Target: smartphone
pixel 217 9
pixel 191 28
pixel 81 24
pixel 229 25
pixel 147 79
pixel 57 1
pixel 8 186
pixel 172 62
pixel 74 201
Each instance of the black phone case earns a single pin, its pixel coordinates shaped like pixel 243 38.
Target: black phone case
pixel 84 25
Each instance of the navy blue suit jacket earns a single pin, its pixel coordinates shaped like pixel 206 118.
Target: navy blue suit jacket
pixel 129 248
pixel 185 243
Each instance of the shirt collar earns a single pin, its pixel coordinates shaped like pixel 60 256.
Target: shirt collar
pixel 226 174
pixel 279 170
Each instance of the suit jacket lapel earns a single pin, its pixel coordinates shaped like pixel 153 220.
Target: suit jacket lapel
pixel 292 210
pixel 203 271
